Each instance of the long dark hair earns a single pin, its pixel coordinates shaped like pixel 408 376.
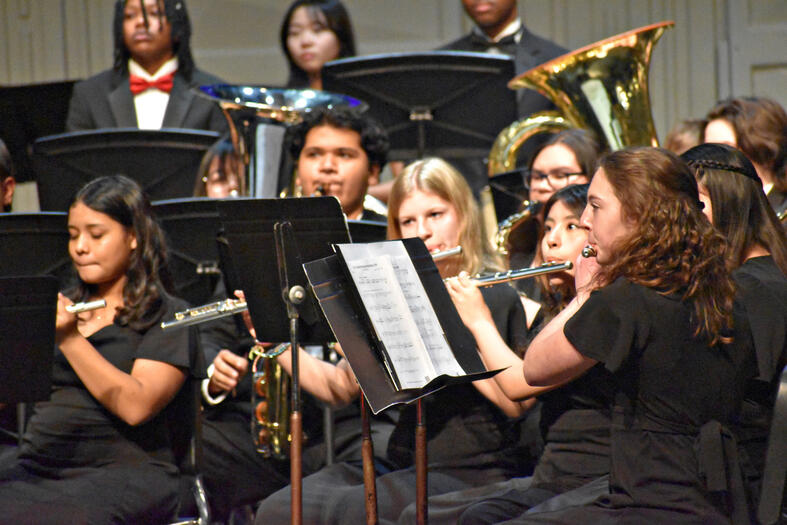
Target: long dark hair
pixel 123 200
pixel 741 211
pixel 574 197
pixel 336 19
pixel 176 13
pixel 673 247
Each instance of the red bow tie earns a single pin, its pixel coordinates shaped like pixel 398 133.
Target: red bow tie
pixel 139 84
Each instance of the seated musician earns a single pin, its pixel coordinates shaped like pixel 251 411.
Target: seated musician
pixel 7 179
pixel 569 416
pixel 340 151
pixel 149 85
pixel 471 437
pixel 757 252
pixel 103 448
pixel 645 314
pixel 756 126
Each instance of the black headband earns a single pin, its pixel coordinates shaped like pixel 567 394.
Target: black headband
pixel 716 165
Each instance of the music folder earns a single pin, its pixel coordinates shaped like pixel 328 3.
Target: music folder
pixel 381 300
pixel 28 306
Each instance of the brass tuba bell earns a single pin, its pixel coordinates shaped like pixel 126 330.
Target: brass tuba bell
pixel 602 87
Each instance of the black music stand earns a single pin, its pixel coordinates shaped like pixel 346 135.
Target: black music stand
pixel 191 226
pixel 34 244
pixel 508 192
pixel 448 104
pixel 31 111
pixel 293 231
pixel 164 162
pixel 367 231
pixel 349 320
pixel 27 319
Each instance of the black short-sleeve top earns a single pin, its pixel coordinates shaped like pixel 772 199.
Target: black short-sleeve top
pixel 72 429
pixel 669 385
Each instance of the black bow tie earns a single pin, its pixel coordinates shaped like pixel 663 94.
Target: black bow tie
pixel 481 43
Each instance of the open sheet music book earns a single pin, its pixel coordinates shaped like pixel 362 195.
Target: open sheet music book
pixel 400 332
pixel 404 321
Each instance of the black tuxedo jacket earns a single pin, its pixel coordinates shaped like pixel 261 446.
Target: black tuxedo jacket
pixel 531 51
pixel 105 101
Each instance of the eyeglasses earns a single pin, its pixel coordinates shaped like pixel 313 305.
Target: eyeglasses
pixel 552 178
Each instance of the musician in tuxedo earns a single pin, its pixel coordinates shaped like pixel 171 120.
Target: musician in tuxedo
pixel 149 85
pixel 499 30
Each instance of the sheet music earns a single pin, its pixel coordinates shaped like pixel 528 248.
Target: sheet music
pixel 387 308
pixel 397 301
pixel 431 332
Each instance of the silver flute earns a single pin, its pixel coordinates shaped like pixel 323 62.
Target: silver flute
pixel 227 307
pixel 525 273
pixel 588 251
pixel 78 308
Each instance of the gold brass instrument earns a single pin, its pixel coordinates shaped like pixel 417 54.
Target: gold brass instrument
pixel 78 308
pixel 271 385
pixel 518 232
pixel 602 87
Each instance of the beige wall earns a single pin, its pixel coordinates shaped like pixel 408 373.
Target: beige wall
pixel 701 59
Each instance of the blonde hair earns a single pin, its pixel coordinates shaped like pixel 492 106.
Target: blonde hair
pixel 436 176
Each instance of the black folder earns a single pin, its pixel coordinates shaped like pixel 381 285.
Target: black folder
pixel 27 331
pixel 341 305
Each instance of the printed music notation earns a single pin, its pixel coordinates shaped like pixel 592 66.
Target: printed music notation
pixel 400 311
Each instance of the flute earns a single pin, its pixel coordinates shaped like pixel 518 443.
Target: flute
pixel 227 307
pixel 588 251
pixel 525 273
pixel 78 308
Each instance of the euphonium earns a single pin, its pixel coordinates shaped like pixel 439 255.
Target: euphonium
pixel 602 87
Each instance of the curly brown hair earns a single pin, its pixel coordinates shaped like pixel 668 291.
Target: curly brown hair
pixel 673 248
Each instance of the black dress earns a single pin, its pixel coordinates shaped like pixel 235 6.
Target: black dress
pixel 81 464
pixel 763 290
pixel 470 443
pixel 574 421
pixel 671 456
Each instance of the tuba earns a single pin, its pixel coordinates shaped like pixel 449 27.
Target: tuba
pixel 602 87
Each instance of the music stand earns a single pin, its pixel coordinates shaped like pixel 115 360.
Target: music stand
pixel 27 318
pixel 367 231
pixel 191 226
pixel 34 244
pixel 448 104
pixel 293 231
pixel 164 162
pixel 508 192
pixel 362 348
